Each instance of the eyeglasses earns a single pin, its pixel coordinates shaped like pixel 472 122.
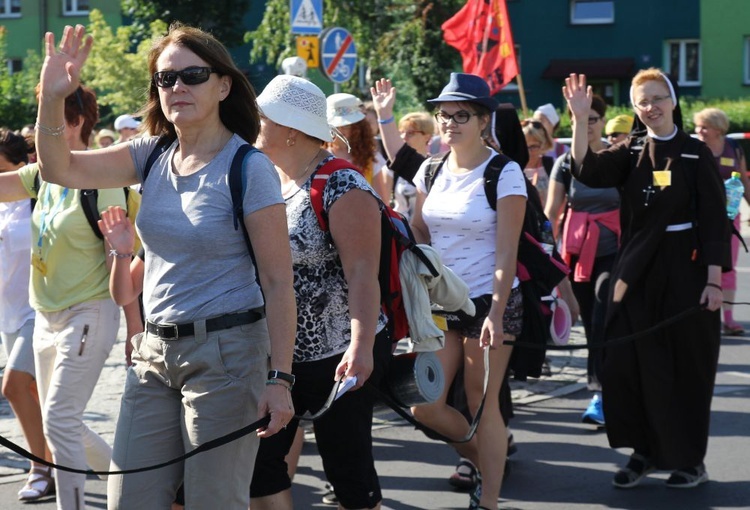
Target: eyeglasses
pixel 192 75
pixel 533 123
pixel 534 147
pixel 412 132
pixel 655 101
pixel 593 120
pixel 615 135
pixel 460 117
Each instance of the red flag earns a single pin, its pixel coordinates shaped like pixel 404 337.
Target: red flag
pixel 481 32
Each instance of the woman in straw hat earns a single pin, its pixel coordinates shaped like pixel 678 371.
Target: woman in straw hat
pixel 340 326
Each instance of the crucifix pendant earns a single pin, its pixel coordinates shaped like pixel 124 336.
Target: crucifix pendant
pixel 648 192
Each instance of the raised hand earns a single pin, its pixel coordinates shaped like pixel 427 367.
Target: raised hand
pixel 578 95
pixel 383 98
pixel 62 65
pixel 117 229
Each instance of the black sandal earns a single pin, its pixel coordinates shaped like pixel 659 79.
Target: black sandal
pixel 634 471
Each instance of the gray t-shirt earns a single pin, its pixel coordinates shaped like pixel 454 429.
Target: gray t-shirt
pixel 590 200
pixel 198 265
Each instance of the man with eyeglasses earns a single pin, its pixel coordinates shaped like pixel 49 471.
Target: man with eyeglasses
pixel 618 128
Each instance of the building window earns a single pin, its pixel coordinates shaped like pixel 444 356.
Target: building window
pixel 10 8
pixel 75 7
pixel 592 12
pixel 746 62
pixel 15 65
pixel 683 60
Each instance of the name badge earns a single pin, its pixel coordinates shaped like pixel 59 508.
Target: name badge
pixel 39 264
pixel 726 162
pixel 440 321
pixel 662 177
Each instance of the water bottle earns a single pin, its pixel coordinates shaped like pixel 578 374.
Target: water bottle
pixel 735 192
pixel 548 240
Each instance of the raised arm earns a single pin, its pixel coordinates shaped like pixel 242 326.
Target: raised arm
pixel 578 95
pixel 126 277
pixel 383 100
pixel 60 78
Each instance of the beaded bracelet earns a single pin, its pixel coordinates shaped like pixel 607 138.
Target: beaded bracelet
pixel 51 131
pixel 714 285
pixel 386 121
pixel 113 253
pixel 278 382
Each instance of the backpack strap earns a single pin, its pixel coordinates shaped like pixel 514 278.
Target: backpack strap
pixel 492 175
pixel 318 185
pixel 162 144
pixel 89 200
pixel 37 185
pixel 433 168
pixel 548 162
pixel 237 185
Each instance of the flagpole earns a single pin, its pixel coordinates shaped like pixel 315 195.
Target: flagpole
pixel 522 95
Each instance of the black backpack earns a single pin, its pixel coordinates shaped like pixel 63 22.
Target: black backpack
pixel 89 204
pixel 538 272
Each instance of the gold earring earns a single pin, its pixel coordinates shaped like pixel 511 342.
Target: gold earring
pixel 290 142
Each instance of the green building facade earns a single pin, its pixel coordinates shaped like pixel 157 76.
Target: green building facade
pixel 26 21
pixel 725 46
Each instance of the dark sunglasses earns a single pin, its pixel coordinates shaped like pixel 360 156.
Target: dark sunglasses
pixel 193 75
pixel 534 123
pixel 460 117
pixel 615 135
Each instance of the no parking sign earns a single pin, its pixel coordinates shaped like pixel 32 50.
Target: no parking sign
pixel 338 54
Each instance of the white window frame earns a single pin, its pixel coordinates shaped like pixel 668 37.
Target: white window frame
pixel 746 61
pixel 11 63
pixel 682 71
pixel 75 10
pixel 7 13
pixel 591 21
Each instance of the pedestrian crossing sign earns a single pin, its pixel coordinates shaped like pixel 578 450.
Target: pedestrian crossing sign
pixel 306 16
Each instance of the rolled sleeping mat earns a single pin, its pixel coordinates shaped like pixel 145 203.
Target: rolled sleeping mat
pixel 560 325
pixel 415 378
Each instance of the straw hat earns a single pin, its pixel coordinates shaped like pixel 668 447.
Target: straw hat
pixel 296 103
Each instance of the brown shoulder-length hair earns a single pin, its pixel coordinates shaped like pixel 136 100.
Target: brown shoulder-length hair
pixel 362 142
pixel 81 104
pixel 238 112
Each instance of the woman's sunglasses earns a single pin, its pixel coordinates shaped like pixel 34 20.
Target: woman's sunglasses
pixel 193 75
pixel 534 123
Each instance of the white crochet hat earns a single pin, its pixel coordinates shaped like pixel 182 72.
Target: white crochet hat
pixel 296 103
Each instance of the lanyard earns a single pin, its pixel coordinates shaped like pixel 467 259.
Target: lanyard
pixel 45 222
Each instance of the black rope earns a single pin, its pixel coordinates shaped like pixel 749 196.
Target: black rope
pixel 623 339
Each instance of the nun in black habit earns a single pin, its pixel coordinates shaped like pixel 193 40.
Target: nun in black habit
pixel 657 388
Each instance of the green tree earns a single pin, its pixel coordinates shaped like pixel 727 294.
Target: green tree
pixel 399 39
pixel 223 18
pixel 18 104
pixel 117 74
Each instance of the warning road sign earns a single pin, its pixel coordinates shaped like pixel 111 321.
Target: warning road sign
pixel 307 16
pixel 308 49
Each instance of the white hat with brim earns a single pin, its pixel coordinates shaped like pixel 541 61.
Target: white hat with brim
pixel 126 122
pixel 344 109
pixel 296 103
pixel 548 111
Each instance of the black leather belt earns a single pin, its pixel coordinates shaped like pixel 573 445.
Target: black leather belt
pixel 175 331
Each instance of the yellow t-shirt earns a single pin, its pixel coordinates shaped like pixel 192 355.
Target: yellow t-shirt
pixel 68 260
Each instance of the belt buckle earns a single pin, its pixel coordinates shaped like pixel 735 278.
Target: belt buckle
pixel 168 331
